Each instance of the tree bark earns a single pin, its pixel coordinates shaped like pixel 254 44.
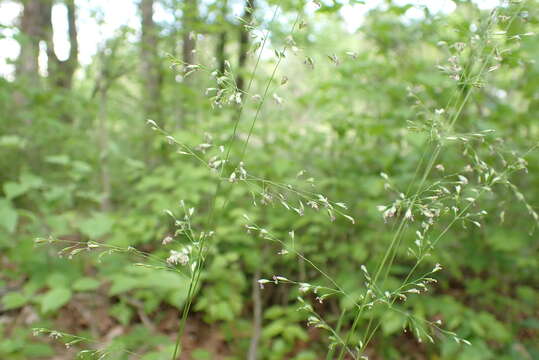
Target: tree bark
pixel 244 42
pixel 103 140
pixel 189 114
pixel 150 66
pixel 190 11
pixel 61 71
pixel 70 65
pixel 220 53
pixel 257 317
pixel 33 30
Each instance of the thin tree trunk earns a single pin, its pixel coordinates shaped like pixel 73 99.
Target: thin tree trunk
pixel 70 65
pixel 220 52
pixel 244 42
pixel 189 114
pixel 32 30
pixel 221 41
pixel 257 317
pixel 103 140
pixel 61 72
pixel 109 72
pixel 53 63
pixel 151 74
pixel 174 39
pixel 190 14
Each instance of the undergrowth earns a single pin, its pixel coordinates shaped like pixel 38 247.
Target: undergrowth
pixel 419 216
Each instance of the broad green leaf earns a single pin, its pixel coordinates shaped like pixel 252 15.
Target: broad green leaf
pixel 31 181
pixel 96 226
pixel 81 167
pixel 8 216
pixel 122 312
pixel 58 159
pixel 86 284
pixel 12 190
pixel 57 280
pixel 12 141
pixel 54 299
pixel 13 300
pixel 392 322
pixel 56 192
pixel 34 350
pixel 201 354
pixel 122 283
pixel 294 332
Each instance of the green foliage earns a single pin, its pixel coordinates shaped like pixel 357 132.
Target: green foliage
pixel 8 215
pixel 54 299
pixel 343 108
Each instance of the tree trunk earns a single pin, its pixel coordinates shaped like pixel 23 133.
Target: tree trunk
pixel 69 66
pixel 221 41
pixel 244 42
pixel 103 140
pixel 61 71
pixel 220 52
pixel 110 70
pixel 36 25
pixel 33 30
pixel 189 114
pixel 151 73
pixel 190 14
pixel 257 318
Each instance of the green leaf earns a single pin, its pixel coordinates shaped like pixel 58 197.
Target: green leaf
pixel 12 190
pixel 8 216
pixel 58 159
pixel 81 167
pixel 122 283
pixel 392 322
pixel 122 312
pixel 57 280
pixel 96 226
pixel 31 181
pixel 293 332
pixel 86 284
pixel 55 299
pixel 55 192
pixel 275 328
pixel 33 350
pixel 201 354
pixel 13 141
pixel 13 300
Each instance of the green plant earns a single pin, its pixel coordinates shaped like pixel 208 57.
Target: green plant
pixel 450 177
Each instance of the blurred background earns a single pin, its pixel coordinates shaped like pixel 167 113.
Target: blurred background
pixel 79 79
